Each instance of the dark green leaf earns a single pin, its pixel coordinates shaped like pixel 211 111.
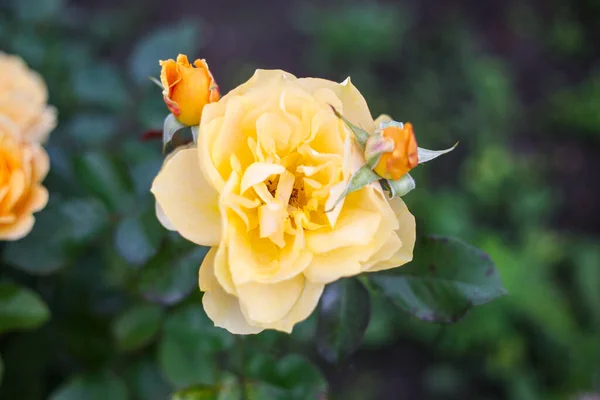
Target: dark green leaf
pixel 91 129
pixel 343 318
pixel 446 278
pixel 101 175
pixel 301 376
pixel 58 231
pixel 144 162
pixel 21 308
pixel 146 382
pixel 137 326
pixel 170 127
pixel 188 350
pixel 45 249
pixel 100 84
pixel 1 369
pixel 138 237
pixel 102 385
pixel 158 45
pixel 170 277
pixel 83 219
pixel 289 378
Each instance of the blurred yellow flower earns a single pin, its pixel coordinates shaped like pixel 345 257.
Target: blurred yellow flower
pixel 187 88
pixel 23 166
pixel 271 157
pixel 23 99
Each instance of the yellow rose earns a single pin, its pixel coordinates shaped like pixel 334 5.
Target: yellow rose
pixel 23 167
pixel 187 88
pixel 23 99
pixel 271 157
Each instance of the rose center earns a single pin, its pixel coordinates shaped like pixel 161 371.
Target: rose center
pixel 297 197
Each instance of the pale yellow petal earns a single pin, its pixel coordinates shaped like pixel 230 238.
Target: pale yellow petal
pixel 258 172
pixel 254 259
pixel 305 305
pixel 186 198
pixel 329 267
pixel 406 234
pixel 355 108
pixel 268 303
pixel 355 227
pixel 222 308
pixel 162 217
pixel 42 126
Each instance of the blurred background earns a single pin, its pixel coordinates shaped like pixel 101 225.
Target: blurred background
pixel 516 82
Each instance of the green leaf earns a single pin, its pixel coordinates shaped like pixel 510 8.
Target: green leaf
pixel 45 249
pixel 446 278
pixel 91 129
pixel 138 237
pixel 146 382
pixel 401 186
pixel 103 176
pixel 361 178
pixel 137 326
pixel 101 385
pixel 170 127
pixel 84 219
pixel 291 378
pixel 343 318
pixel 428 155
pixel 197 392
pixel 56 236
pixel 188 349
pixel 303 378
pixel 159 45
pixel 21 308
pixel 144 160
pixel 171 276
pixel 100 85
pixel 360 134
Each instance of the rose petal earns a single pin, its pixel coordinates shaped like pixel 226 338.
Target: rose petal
pixel 222 308
pixel 406 232
pixel 354 106
pixel 259 172
pixel 301 310
pixel 17 230
pixel 268 303
pixel 187 199
pixel 354 227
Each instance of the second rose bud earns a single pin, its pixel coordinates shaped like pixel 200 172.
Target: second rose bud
pixel 187 88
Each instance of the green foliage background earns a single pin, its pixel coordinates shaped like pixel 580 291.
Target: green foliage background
pixel 516 82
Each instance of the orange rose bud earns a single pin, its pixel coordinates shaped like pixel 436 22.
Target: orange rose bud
pixel 392 165
pixel 187 88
